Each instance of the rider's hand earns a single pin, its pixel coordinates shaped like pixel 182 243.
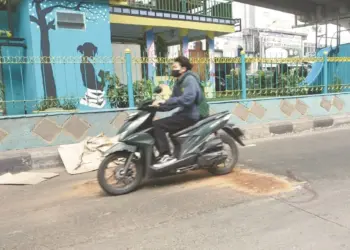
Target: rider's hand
pixel 157 103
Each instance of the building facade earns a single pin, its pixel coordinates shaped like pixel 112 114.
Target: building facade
pixel 49 47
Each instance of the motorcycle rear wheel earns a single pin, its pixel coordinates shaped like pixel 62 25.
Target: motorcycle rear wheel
pixel 132 178
pixel 232 150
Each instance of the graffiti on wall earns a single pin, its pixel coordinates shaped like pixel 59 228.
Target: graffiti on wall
pixel 94 95
pixel 42 14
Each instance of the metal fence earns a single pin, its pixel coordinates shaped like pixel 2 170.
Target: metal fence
pixel 60 84
pixel 211 8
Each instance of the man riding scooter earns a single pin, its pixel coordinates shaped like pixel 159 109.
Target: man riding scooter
pixel 186 95
pixel 210 144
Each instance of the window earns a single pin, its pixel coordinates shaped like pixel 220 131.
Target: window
pixel 70 20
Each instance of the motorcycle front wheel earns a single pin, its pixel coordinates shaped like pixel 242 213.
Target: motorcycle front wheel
pixel 231 150
pixel 115 178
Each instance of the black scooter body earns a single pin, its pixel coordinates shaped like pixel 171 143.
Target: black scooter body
pixel 198 146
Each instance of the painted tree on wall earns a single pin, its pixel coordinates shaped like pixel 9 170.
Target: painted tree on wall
pixel 42 14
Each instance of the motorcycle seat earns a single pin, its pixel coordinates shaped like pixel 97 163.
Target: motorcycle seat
pixel 199 123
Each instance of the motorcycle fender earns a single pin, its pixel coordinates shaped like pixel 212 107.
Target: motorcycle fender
pixel 120 146
pixel 235 133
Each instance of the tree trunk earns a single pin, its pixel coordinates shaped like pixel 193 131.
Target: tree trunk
pixel 46 68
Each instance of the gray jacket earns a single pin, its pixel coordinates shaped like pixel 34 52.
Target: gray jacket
pixel 186 94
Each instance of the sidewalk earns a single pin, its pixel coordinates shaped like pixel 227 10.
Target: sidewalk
pixel 48 157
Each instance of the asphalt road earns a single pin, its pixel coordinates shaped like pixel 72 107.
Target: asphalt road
pixel 194 211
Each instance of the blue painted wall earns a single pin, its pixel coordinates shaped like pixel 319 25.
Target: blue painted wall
pixel 3 20
pixel 18 77
pixel 340 69
pixel 29 73
pixel 13 77
pixel 336 70
pixel 96 38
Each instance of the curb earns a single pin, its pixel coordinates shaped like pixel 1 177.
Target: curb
pixel 257 131
pixel 48 157
pixel 15 161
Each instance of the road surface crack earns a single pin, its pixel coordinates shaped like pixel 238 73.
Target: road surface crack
pixel 315 195
pixel 312 214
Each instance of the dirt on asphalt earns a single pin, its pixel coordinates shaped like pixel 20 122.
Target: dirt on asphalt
pixel 241 180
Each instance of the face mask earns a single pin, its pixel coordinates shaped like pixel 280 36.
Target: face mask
pixel 175 73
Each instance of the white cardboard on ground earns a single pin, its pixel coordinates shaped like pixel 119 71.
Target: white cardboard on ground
pixel 85 156
pixel 25 178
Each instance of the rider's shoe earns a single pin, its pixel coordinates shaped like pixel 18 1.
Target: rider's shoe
pixel 164 161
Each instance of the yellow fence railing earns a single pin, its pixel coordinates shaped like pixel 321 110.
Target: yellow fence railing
pixel 222 79
pixel 161 60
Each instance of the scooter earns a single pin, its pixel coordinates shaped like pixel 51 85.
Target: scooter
pixel 209 144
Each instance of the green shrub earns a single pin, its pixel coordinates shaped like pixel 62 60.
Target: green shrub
pixel 50 102
pixel 117 92
pixel 336 85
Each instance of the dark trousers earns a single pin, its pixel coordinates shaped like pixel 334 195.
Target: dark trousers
pixel 171 124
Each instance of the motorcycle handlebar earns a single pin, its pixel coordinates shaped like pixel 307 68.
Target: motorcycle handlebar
pixel 146 106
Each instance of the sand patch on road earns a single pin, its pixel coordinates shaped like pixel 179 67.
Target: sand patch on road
pixel 250 182
pixel 85 189
pixel 242 180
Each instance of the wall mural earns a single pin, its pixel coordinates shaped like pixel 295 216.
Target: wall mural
pixel 42 14
pixel 94 95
